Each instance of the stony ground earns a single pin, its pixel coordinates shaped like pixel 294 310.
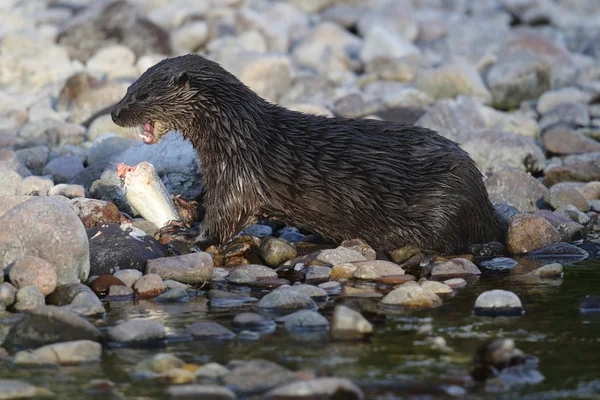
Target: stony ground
pixel 516 82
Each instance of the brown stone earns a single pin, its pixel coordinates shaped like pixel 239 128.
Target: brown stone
pixel 528 232
pixel 150 285
pixel 101 285
pixel 396 279
pixel 95 212
pixel 31 270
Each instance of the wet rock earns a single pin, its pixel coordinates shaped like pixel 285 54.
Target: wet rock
pixel 67 353
pixel 355 105
pixel 560 249
pixel 590 190
pixel 241 277
pixel 321 388
pixel 314 292
pixel 250 273
pixel 211 371
pixel 159 363
pixel 253 322
pixel 516 188
pixel 585 171
pixel 257 376
pixel 199 392
pixel 35 186
pixel 456 283
pixel 119 293
pixel 191 36
pixel 527 232
pixel 396 279
pixel 102 284
pixel 435 287
pixel 286 299
pixel 492 249
pixel 343 271
pixel 175 295
pixel 553 98
pixel 55 135
pixel 548 271
pixel 453 267
pixel 574 114
pixel 276 251
pixel 68 191
pixel 221 298
pixel 347 324
pixel 331 287
pixel 361 247
pixel 128 276
pixel 62 169
pixel 518 77
pixel 590 304
pixel 50 230
pixel 561 196
pixel 499 264
pixel 375 269
pixel 210 331
pixel 193 268
pixel 150 285
pixel 452 80
pixel 14 389
pixel 571 212
pixel 105 24
pixel 78 297
pixel 258 230
pixel 35 271
pixel 496 355
pixel 114 247
pixel 28 298
pixel 136 331
pixel 495 303
pixel 95 212
pixel 317 274
pixel 8 295
pixel 411 295
pixel 337 256
pixel 47 325
pixel 562 140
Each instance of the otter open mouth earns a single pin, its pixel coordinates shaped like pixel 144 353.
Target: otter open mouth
pixel 148 135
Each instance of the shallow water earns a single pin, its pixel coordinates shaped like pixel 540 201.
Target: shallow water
pixel 396 363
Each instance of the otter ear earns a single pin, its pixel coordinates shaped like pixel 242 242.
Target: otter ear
pixel 182 79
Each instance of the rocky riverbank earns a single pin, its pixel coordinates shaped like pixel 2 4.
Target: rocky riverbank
pixel 516 83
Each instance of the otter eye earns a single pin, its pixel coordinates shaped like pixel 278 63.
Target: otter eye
pixel 142 96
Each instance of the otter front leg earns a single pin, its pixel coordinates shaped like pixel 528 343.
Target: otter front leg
pixel 222 225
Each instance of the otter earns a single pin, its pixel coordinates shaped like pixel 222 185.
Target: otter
pixel 386 183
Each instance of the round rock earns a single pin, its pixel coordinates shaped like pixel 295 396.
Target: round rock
pixel 28 298
pixel 286 299
pixel 150 285
pixel 192 268
pixel 321 388
pixel 495 303
pixel 137 331
pixel 35 271
pixel 253 322
pixel 348 324
pixel 210 331
pixel 411 295
pixel 305 321
pixel 276 251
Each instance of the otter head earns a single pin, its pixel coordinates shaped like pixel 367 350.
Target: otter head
pixel 163 99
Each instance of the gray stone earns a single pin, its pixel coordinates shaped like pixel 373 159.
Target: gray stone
pixel 78 297
pixel 253 322
pixel 516 188
pixel 305 321
pixel 193 268
pixel 348 324
pixel 319 388
pixel 382 43
pixel 317 273
pixel 210 331
pixel 548 271
pixel 128 276
pixel 339 255
pixel 374 269
pixel 561 139
pixel 28 298
pixel 36 185
pixel 562 196
pixel 286 299
pixel 257 376
pixel 8 294
pixel 34 271
pixel 48 229
pixel 200 392
pixel 174 295
pixel 14 389
pixel 276 251
pixel 258 230
pixel 66 353
pixel 67 190
pixel 453 268
pixel 250 273
pixel 497 303
pixel 435 287
pixel 212 371
pixel 314 292
pixel 573 114
pixel 51 133
pixel 137 331
pixel 553 98
pixel 10 182
pixel 63 169
pixel 411 295
pixel 150 285
pixel 50 324
pixel 35 158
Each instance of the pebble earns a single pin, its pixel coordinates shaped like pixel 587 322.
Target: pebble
pixel 78 297
pixel 342 272
pixel 516 188
pixel 36 185
pixel 35 271
pixel 34 158
pixel 210 331
pixel 456 283
pixel 47 325
pixel 562 196
pixel 128 276
pixel 320 388
pixel 253 322
pixel 193 268
pixel 102 284
pixel 119 293
pixel 305 321
pixel 137 331
pixel 337 256
pixel 286 299
pixel 28 298
pixel 317 274
pixel 66 353
pixel 93 212
pixel 67 252
pixel 452 80
pixel 348 324
pixel 360 246
pixel 375 269
pixel 257 376
pixel 381 43
pixel 411 295
pixel 574 114
pixel 250 273
pixel 435 287
pixel 276 251
pixel 68 191
pixel 527 232
pixel 150 285
pixel 396 279
pixel 453 268
pixel 174 295
pixel 331 287
pixel 200 392
pixel 314 292
pixel 10 182
pixel 499 264
pixel 8 295
pixel 14 389
pixel 562 139
pixel 159 363
pixel 62 169
pixel 553 98
pixel 495 303
pixel 211 371
pixel 548 271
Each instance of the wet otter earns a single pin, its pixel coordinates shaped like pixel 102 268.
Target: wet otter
pixel 386 183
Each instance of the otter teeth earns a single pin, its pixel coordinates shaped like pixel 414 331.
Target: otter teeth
pixel 148 135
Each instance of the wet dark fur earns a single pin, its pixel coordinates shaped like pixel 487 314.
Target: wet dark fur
pixel 386 183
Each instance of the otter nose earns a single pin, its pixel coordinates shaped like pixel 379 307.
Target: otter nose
pixel 115 112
